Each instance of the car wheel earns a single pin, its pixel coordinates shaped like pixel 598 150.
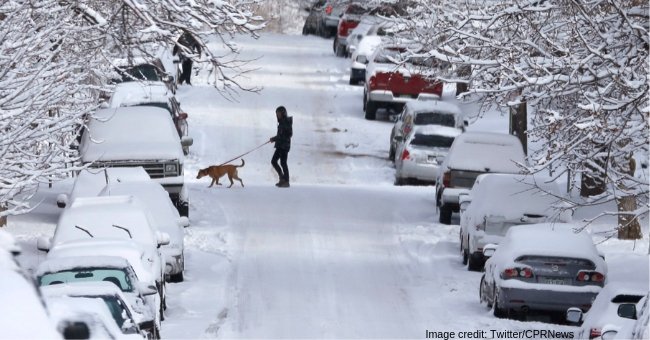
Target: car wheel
pixel 445 214
pixel 335 44
pixel 371 110
pixel 498 312
pixel 474 264
pixel 365 98
pixel 483 293
pixel 465 254
pixel 399 181
pixel 178 277
pixel 340 51
pixel 391 154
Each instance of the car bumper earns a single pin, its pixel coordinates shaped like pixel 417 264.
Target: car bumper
pixel 420 171
pixel 544 300
pixel 450 195
pixel 388 97
pixel 357 74
pixel 480 240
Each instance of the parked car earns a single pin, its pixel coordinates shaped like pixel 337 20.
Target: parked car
pixel 90 314
pixel 141 69
pixel 472 154
pixel 159 149
pixel 165 219
pixel 350 19
pixel 497 202
pixel 544 267
pixel 124 316
pixel 394 77
pixel 422 152
pixel 356 35
pixel 615 308
pixel 416 113
pixel 142 297
pixel 23 313
pixel 360 56
pixel 323 18
pixel 155 95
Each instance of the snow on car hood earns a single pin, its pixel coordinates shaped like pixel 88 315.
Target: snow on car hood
pixel 91 181
pixel 113 133
pixel 134 93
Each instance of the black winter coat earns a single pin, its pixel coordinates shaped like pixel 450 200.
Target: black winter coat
pixel 285 131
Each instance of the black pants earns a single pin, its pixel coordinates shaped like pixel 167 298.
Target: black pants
pixel 187 71
pixel 281 154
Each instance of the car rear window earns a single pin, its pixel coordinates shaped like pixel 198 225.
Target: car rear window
pixel 432 141
pixel 437 118
pixel 140 72
pixel 583 263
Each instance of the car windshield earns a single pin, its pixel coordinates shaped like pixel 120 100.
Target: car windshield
pixel 390 56
pixel 435 118
pixel 117 276
pixel 140 72
pixel 434 141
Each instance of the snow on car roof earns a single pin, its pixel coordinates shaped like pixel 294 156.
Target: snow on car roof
pixel 113 132
pixel 99 216
pixel 486 151
pixel 548 239
pixel 54 265
pixel 418 106
pixel 511 196
pixel 91 181
pixel 368 44
pixel 133 61
pixel 437 130
pixel 23 314
pixel 82 288
pixel 134 93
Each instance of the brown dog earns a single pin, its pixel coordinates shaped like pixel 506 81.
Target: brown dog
pixel 216 171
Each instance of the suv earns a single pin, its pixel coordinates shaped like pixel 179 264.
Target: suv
pixel 417 113
pixel 472 154
pixel 116 138
pixel 393 79
pixel 152 94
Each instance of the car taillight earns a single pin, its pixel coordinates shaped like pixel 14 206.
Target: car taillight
pixel 510 273
pixel 594 333
pixel 405 154
pixel 590 276
pixel 446 179
pixel 328 9
pixel 372 82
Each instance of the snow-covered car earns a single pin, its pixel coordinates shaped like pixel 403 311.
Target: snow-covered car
pixel 472 154
pixel 23 314
pixel 141 69
pixel 151 94
pixel 366 48
pixel 349 21
pixel 394 76
pixel 354 38
pixel 93 313
pixel 416 113
pixel 142 297
pixel 543 267
pixel 422 152
pixel 123 314
pixel 116 138
pixel 614 308
pixel 116 218
pixel 165 218
pixel 497 202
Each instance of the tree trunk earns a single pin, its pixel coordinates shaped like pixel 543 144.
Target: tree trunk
pixel 628 225
pixel 3 219
pixel 592 183
pixel 465 72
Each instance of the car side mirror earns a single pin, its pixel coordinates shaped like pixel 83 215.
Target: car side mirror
pixel 163 238
pixel 76 330
pixel 147 289
pixel 62 200
pixel 574 315
pixel 187 141
pixel 627 311
pixel 44 243
pixel 489 249
pixel 183 222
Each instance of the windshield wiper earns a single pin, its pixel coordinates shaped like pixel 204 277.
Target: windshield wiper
pixel 85 230
pixel 127 230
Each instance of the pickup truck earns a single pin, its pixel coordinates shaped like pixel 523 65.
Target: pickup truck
pixel 349 21
pixel 392 80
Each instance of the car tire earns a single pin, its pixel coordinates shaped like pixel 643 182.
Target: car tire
pixel 465 254
pixel 391 154
pixel 371 110
pixel 497 311
pixel 482 293
pixel 445 214
pixel 340 51
pixel 353 82
pixel 399 181
pixel 175 278
pixel 474 264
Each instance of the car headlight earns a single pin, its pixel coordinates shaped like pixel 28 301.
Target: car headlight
pixel 170 167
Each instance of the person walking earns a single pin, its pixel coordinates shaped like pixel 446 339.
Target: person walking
pixel 185 47
pixel 282 142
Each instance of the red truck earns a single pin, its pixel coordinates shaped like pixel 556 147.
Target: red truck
pixel 392 80
pixel 349 21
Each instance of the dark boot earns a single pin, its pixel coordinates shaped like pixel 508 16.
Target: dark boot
pixel 283 184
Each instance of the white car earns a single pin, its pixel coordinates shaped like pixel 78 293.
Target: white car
pixel 87 315
pixel 165 218
pixel 472 154
pixel 141 296
pixel 543 267
pixel 23 314
pixel 139 136
pixel 360 58
pixel 615 308
pixel 416 113
pixel 497 202
pixel 422 152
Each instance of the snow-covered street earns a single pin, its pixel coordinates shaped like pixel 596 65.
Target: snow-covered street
pixel 343 253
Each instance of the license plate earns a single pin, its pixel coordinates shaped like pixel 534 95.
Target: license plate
pixel 562 282
pixel 431 159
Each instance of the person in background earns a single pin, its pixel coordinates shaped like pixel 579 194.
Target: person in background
pixel 186 47
pixel 282 142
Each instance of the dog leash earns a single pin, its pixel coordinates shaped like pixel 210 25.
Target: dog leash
pixel 244 154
